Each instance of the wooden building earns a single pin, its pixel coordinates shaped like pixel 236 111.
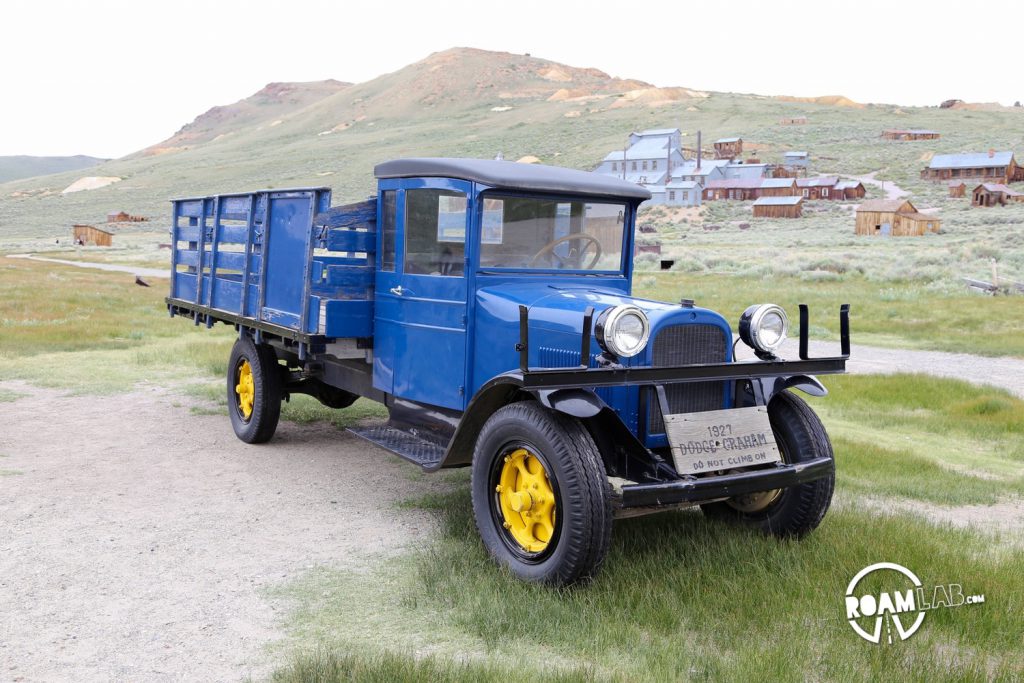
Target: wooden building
pixel 992 167
pixel 778 207
pixel 742 189
pixel 821 187
pixel 778 187
pixel 994 194
pixel 910 134
pixel 124 217
pixel 849 189
pixel 796 160
pixel 893 218
pixel 793 121
pixel 957 188
pixel 728 148
pixel 91 235
pixel 647 249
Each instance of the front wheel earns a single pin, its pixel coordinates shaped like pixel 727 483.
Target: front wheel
pixel 254 390
pixel 797 510
pixel 541 497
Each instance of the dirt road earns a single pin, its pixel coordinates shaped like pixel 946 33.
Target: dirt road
pixel 136 538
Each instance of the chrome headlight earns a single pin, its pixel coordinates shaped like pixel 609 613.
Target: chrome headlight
pixel 622 330
pixel 764 327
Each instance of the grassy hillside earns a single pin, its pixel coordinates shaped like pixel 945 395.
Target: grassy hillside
pixel 464 102
pixel 473 103
pixel 20 166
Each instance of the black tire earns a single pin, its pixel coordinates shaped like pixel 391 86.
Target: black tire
pixel 797 510
pixel 261 423
pixel 576 474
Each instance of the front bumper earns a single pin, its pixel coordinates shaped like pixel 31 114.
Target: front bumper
pixel 694 490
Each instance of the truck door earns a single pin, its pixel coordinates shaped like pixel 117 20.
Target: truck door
pixel 420 307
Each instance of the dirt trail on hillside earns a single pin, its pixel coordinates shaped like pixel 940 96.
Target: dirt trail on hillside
pixel 136 539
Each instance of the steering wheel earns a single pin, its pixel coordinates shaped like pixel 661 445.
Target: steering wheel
pixel 549 248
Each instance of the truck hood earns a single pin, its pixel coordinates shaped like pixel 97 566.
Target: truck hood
pixel 559 308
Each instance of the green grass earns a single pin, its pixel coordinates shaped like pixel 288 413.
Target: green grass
pixel 8 396
pixel 904 314
pixel 683 598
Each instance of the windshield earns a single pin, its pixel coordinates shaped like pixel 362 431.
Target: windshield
pixel 551 234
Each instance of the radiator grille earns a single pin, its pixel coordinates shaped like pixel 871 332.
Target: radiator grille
pixel 683 345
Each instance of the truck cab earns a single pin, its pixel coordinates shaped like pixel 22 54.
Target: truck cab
pixel 489 306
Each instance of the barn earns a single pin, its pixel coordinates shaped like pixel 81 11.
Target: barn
pixel 728 148
pixel 910 134
pixel 993 167
pixel 893 217
pixel 91 235
pixel 778 207
pixel 957 188
pixel 994 194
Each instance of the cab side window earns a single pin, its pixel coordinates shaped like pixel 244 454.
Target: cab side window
pixel 435 232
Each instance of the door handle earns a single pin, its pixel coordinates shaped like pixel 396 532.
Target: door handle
pixel 397 291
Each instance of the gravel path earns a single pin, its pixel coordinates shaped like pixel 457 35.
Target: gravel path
pixel 136 538
pixel 111 267
pixel 1003 372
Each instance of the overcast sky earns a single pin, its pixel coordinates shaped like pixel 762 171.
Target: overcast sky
pixel 107 77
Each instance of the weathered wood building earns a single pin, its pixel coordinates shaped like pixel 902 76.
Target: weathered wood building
pixel 994 194
pixel 849 189
pixel 728 148
pixel 124 217
pixel 821 187
pixel 994 167
pixel 778 187
pixel 91 235
pixel 778 207
pixel 910 134
pixel 793 121
pixel 893 218
pixel 741 189
pixel 957 188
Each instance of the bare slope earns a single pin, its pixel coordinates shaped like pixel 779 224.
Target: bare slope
pixel 266 107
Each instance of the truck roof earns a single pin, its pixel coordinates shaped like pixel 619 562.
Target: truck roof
pixel 513 176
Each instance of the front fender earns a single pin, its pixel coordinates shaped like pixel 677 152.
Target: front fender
pixel 581 403
pixel 808 384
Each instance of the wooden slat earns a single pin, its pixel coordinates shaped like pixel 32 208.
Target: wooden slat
pixel 350 276
pixel 349 319
pixel 351 240
pixel 361 215
pixel 188 257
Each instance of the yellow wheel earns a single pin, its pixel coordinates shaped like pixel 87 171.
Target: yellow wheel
pixel 245 389
pixel 526 501
pixel 541 498
pixel 255 389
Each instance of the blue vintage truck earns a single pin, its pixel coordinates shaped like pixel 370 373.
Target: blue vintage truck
pixel 487 305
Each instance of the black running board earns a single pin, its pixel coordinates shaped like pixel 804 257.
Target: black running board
pixel 408 446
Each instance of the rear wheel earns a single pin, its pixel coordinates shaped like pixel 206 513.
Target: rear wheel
pixel 254 390
pixel 796 510
pixel 541 497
